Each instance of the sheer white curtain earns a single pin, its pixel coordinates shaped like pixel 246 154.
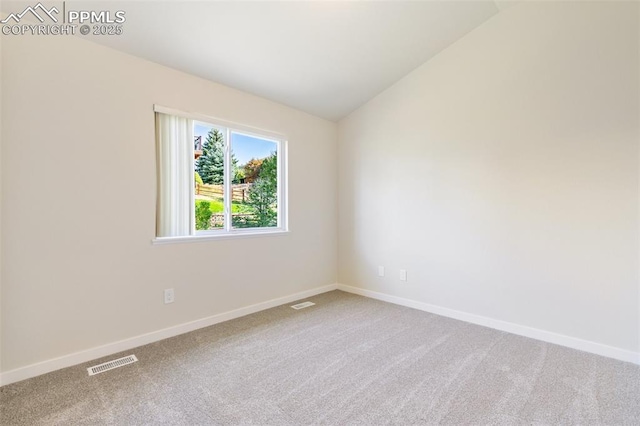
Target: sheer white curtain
pixel 175 175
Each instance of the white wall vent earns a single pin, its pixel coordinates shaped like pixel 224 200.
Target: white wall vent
pixel 303 305
pixel 96 369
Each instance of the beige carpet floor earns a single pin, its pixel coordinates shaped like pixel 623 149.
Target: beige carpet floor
pixel 348 360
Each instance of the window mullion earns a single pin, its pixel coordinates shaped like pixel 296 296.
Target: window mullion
pixel 228 192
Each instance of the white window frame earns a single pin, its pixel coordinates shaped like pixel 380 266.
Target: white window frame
pixel 228 232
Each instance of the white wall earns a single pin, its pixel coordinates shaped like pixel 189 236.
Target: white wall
pixel 503 175
pixel 78 214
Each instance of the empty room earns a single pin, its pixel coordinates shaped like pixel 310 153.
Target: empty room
pixel 320 212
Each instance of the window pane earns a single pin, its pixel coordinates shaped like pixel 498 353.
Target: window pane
pixel 209 146
pixel 255 182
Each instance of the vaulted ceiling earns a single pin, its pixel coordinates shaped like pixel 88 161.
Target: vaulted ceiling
pixel 323 57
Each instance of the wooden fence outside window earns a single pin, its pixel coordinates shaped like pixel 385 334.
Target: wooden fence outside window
pixel 240 191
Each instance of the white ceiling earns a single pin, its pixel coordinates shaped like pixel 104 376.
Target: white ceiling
pixel 325 58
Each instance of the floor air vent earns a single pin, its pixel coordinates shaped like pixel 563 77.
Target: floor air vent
pixel 302 305
pixel 96 369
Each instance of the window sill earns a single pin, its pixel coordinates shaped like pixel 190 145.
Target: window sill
pixel 213 237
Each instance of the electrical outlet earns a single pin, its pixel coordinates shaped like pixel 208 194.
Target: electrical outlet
pixel 403 274
pixel 381 271
pixel 169 296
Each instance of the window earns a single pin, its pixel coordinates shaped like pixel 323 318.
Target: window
pixel 217 179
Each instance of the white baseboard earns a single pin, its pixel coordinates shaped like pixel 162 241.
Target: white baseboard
pixel 48 366
pixel 521 330
pixel 34 370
